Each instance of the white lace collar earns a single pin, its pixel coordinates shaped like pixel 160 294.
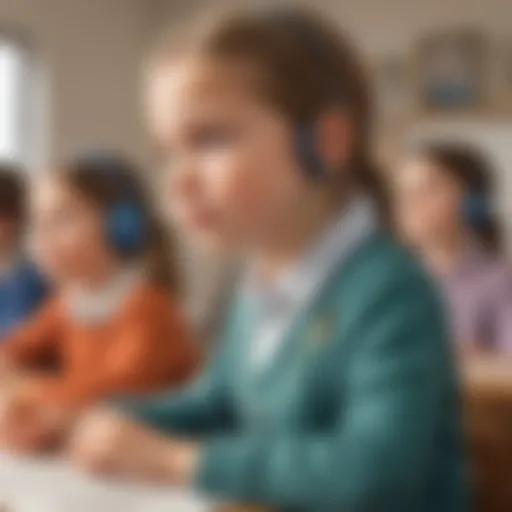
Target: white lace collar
pixel 100 304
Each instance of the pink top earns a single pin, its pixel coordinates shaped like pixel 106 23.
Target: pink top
pixel 479 297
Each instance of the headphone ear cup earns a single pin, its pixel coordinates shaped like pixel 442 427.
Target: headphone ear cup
pixel 126 228
pixel 476 209
pixel 307 153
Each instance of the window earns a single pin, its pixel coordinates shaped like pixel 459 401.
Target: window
pixel 14 97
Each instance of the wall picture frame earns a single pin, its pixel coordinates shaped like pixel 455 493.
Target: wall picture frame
pixel 451 71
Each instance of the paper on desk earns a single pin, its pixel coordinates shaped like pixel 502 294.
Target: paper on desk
pixel 51 486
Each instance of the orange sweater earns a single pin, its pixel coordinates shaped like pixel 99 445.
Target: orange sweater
pixel 143 347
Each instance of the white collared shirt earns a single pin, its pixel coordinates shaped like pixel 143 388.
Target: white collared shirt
pixel 93 306
pixel 280 302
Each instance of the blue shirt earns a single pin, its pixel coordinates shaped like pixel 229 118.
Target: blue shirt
pixel 22 290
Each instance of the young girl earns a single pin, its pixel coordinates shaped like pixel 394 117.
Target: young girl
pixel 333 389
pixel 445 211
pixel 112 328
pixel 22 289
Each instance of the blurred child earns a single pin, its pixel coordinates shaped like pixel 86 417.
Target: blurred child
pixel 112 327
pixel 21 287
pixel 445 211
pixel 333 389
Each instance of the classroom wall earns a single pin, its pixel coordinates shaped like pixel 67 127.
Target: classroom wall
pixel 90 51
pixel 88 54
pixel 381 26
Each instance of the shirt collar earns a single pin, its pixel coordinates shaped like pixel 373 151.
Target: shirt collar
pixel 98 305
pixel 350 227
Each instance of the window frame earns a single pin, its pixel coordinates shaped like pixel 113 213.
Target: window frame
pixel 29 125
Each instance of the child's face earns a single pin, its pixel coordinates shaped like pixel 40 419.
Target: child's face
pixel 233 173
pixel 428 202
pixel 66 232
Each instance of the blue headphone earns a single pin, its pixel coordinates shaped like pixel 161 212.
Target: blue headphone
pixel 476 209
pixel 306 151
pixel 305 137
pixel 126 227
pixel 125 224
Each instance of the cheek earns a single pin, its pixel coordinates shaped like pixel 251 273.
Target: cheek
pixel 66 249
pixel 444 209
pixel 236 183
pixel 431 215
pixel 256 177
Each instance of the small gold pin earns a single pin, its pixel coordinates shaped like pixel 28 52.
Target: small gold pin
pixel 321 330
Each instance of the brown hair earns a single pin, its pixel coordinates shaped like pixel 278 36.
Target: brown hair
pixel 301 61
pixel 106 179
pixel 12 194
pixel 472 170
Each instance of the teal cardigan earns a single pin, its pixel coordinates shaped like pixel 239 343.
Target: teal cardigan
pixel 358 412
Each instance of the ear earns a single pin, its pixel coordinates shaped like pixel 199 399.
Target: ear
pixel 334 138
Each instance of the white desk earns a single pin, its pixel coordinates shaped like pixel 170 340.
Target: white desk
pixel 51 486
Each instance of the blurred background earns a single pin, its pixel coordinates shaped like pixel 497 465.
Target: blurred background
pixel 70 74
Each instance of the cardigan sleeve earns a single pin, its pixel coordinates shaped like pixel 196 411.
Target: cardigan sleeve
pixel 376 458
pixel 36 337
pixel 152 344
pixel 204 406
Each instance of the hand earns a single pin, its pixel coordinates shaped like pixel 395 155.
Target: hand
pixel 19 426
pixel 27 426
pixel 106 443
